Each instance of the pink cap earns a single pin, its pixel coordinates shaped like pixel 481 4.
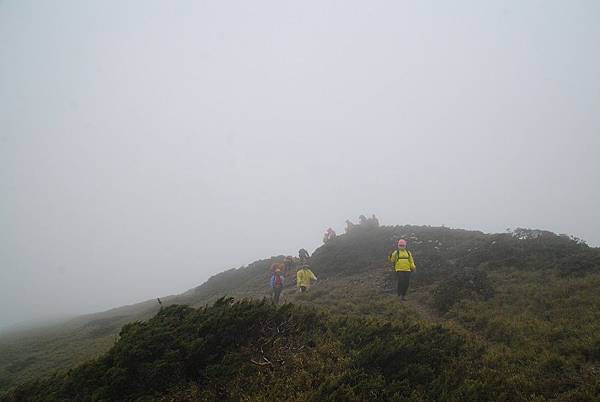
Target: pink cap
pixel 401 243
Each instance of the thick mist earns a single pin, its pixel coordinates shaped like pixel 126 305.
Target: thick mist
pixel 146 145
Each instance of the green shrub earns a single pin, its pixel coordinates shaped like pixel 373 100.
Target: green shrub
pixel 256 351
pixel 465 283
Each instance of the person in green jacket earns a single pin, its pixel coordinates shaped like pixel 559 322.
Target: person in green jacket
pixel 404 264
pixel 304 278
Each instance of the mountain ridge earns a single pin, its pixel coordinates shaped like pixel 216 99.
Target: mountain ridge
pixel 352 268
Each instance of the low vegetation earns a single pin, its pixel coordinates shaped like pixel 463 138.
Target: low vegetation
pixel 509 317
pixel 252 350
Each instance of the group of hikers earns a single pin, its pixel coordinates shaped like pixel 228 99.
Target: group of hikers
pixel 363 221
pixel 401 258
pixel 279 270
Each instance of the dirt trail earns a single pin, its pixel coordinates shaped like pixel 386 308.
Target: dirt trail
pixel 384 281
pixel 380 280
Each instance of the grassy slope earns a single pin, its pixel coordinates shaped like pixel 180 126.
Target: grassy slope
pixel 31 354
pixel 540 329
pixel 254 351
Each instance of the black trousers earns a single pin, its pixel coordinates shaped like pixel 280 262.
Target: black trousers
pixel 403 281
pixel 276 294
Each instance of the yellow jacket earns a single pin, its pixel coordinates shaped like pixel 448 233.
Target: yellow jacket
pixel 403 260
pixel 304 276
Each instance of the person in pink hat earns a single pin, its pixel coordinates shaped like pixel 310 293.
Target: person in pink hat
pixel 404 264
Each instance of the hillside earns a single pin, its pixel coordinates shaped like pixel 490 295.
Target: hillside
pixel 519 313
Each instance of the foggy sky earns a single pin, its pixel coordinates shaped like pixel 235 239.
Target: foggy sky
pixel 146 145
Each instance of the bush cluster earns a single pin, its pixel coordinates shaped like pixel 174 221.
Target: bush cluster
pixel 253 350
pixel 465 283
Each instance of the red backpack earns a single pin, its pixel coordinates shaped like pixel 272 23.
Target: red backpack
pixel 278 281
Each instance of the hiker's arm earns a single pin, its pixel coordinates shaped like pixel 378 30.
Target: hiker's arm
pixel 392 256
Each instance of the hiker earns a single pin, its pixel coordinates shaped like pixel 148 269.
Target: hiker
pixel 304 277
pixel 329 235
pixel 277 285
pixel 362 220
pixel 288 264
pixel 303 254
pixel 349 225
pixel 374 221
pixel 277 266
pixel 404 265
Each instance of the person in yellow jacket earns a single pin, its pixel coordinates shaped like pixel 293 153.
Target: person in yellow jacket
pixel 404 265
pixel 304 278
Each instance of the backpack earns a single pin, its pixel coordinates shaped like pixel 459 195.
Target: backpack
pixel 397 252
pixel 278 281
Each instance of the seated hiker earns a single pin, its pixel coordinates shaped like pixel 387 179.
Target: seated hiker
pixel 329 235
pixel 303 254
pixel 277 280
pixel 349 225
pixel 362 220
pixel 304 278
pixel 404 264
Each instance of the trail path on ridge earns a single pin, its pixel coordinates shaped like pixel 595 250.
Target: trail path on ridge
pixel 381 283
pixel 384 282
